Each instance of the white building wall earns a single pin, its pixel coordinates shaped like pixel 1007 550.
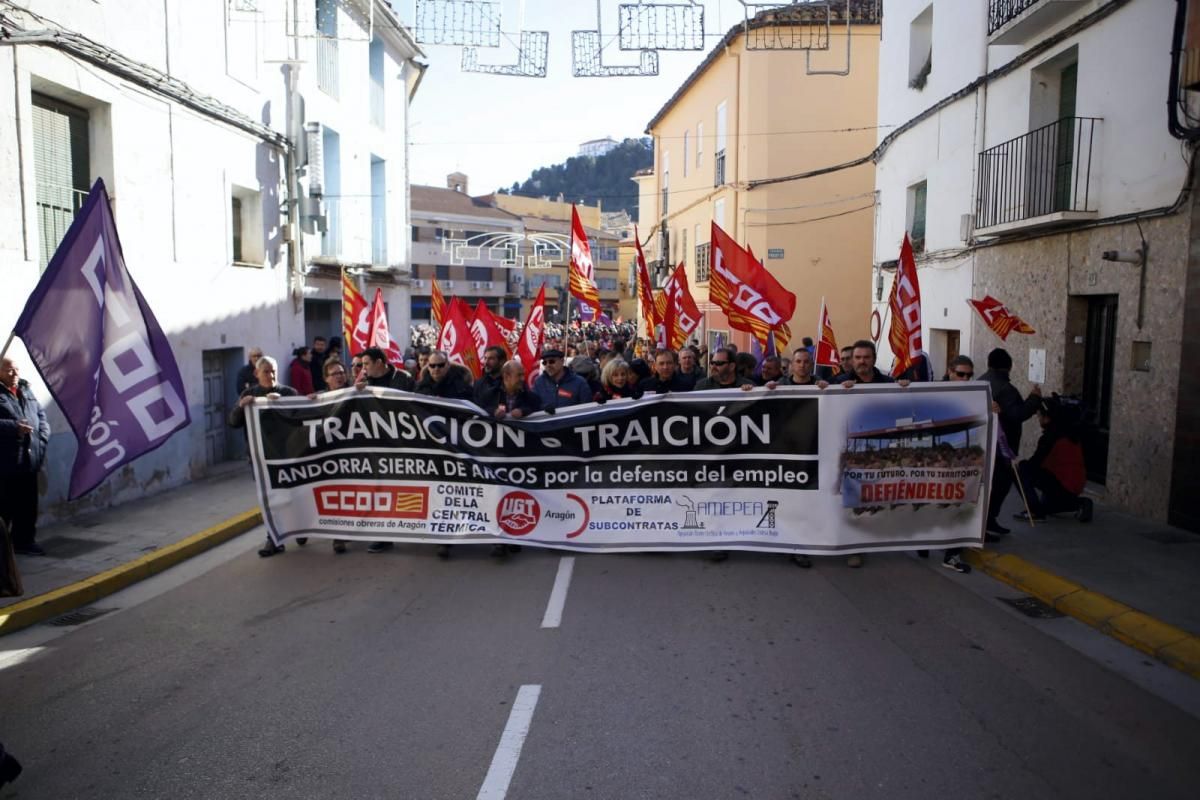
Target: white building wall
pixel 171 172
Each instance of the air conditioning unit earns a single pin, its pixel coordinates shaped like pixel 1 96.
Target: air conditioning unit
pixel 418 284
pixel 313 141
pixel 476 284
pixel 447 284
pixel 966 227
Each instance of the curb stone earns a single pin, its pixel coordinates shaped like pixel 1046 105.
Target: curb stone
pixel 1173 646
pixel 59 601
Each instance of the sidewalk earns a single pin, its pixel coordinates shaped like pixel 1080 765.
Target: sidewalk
pixel 1136 580
pixel 97 553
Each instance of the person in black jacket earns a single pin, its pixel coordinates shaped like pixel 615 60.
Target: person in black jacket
pixel 1013 411
pixel 377 371
pixel 245 376
pixel 268 388
pixel 618 380
pixel 441 379
pixel 511 398
pixel 666 377
pixel 24 434
pixel 493 362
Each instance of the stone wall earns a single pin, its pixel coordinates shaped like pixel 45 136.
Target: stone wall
pixel 1046 281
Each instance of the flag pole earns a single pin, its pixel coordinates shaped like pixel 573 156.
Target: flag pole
pixel 1024 499
pixel 8 343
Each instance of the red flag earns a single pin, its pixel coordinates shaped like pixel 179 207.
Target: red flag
pixel 377 331
pixel 356 321
pixel 777 340
pixel 582 272
pixel 749 295
pixel 905 305
pixel 997 317
pixel 664 312
pixel 437 305
pixel 827 354
pixel 486 333
pixel 455 338
pixel 678 310
pixel 529 348
pixel 645 288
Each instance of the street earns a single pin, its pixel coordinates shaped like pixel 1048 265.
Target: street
pixel 396 675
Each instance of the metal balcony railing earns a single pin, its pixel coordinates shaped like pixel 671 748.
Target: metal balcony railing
pixel 57 206
pixel 1001 12
pixel 719 169
pixel 702 262
pixel 327 65
pixel 1046 171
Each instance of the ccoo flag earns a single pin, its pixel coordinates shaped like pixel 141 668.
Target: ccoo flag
pixel 100 350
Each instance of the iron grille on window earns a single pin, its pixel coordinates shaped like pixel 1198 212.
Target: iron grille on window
pixel 1001 12
pixel 719 169
pixel 1046 171
pixel 702 257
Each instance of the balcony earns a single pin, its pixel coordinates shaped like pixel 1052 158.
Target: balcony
pixel 719 169
pixel 1040 179
pixel 1020 21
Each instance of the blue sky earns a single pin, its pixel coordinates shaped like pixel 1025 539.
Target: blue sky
pixel 497 129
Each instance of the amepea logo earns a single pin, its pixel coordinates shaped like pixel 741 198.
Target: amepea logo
pixel 518 513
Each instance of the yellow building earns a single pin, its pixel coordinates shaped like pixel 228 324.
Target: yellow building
pixel 547 226
pixel 729 144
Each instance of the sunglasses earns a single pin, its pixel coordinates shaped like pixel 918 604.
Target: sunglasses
pixel 551 360
pixel 432 365
pixel 964 374
pixel 720 363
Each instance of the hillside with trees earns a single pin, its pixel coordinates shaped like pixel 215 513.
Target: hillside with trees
pixel 606 179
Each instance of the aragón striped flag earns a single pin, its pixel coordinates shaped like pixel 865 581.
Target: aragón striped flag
pixel 437 305
pixel 749 295
pixel 904 336
pixel 675 304
pixel 582 272
pixel 356 319
pixel 997 317
pixel 100 351
pixel 644 287
pixel 827 354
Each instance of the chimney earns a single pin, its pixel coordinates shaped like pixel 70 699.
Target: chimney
pixel 457 181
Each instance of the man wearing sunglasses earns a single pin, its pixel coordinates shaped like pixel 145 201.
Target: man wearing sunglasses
pixel 442 379
pixel 558 386
pixel 723 373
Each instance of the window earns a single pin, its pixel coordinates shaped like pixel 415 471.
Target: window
pixel 379 249
pixel 666 182
pixel 479 273
pixel 702 262
pixel 327 46
pixel 237 229
pixel 699 142
pixel 920 49
pixel 719 212
pixel 331 154
pixel 375 84
pixel 606 284
pixel 246 227
pixel 915 217
pixel 442 272
pixel 719 155
pixel 416 235
pixel 683 246
pixel 604 253
pixel 685 154
pixel 61 169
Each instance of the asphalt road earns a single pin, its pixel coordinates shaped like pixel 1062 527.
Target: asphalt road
pixel 395 675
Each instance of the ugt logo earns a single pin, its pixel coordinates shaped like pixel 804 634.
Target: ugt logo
pixel 518 513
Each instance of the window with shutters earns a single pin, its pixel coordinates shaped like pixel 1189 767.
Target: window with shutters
pixel 917 194
pixel 62 172
pixel 247 238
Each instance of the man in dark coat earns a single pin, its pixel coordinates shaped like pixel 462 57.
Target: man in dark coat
pixel 377 371
pixel 862 366
pixel 558 386
pixel 722 366
pixel 24 434
pixel 1013 411
pixel 666 377
pixel 493 361
pixel 441 380
pixel 246 377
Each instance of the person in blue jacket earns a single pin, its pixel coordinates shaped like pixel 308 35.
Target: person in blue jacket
pixel 24 434
pixel 558 386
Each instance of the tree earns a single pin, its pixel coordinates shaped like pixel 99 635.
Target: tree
pixel 607 179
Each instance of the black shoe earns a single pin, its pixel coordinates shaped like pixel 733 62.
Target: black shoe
pixel 339 546
pixel 380 547
pixel 1086 509
pixel 957 564
pixel 995 527
pixel 443 551
pixel 270 549
pixel 302 540
pixel 10 769
pixel 717 556
pixel 499 551
pixel 32 549
pixel 802 560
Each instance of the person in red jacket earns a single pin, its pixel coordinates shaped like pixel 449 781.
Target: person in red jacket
pixel 1054 476
pixel 300 371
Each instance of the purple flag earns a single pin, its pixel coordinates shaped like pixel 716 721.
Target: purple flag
pixel 588 314
pixel 100 350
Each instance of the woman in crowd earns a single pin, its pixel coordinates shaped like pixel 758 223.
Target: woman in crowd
pixel 618 380
pixel 300 371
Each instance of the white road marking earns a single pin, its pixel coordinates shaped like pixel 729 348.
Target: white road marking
pixel 558 595
pixel 508 752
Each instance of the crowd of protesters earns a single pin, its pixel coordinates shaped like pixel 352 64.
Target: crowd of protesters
pixel 595 363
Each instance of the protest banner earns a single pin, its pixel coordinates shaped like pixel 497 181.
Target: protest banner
pixel 789 470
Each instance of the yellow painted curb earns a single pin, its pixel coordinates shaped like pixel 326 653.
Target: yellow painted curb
pixel 59 601
pixel 1173 646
